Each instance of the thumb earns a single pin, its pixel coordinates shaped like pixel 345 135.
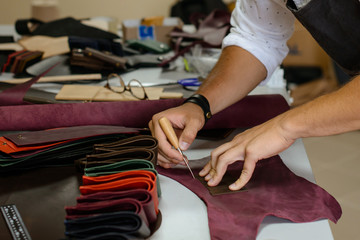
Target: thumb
pixel 188 136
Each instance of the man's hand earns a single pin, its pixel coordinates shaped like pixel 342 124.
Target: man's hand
pixel 260 142
pixel 187 120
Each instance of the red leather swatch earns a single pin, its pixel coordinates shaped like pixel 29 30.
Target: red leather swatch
pixel 123 181
pixel 9 147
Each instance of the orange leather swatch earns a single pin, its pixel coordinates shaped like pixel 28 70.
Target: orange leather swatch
pixel 134 179
pixel 8 147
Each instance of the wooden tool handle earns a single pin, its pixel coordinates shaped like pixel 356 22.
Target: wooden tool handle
pixel 169 132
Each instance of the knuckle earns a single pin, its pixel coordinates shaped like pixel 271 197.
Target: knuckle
pixel 222 158
pixel 250 151
pixel 213 154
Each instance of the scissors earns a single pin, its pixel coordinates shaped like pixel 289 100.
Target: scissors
pixel 190 82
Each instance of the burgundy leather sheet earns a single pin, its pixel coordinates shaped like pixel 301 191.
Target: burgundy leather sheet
pixel 250 111
pixel 16 115
pixel 273 191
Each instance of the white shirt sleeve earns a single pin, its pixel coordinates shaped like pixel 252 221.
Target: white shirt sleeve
pixel 262 27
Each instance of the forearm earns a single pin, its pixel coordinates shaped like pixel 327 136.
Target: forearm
pixel 333 113
pixel 233 77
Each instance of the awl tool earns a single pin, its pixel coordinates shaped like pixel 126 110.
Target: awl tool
pixel 171 136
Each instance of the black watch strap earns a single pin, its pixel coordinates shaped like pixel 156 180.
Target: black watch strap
pixel 202 102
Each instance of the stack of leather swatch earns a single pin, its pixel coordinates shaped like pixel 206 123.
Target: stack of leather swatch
pixel 97 60
pixel 54 147
pixel 119 194
pixel 18 61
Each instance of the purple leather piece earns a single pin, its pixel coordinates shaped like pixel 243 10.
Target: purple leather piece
pixel 250 111
pixel 273 190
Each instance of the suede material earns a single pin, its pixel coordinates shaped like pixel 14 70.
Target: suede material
pixel 273 191
pixel 45 116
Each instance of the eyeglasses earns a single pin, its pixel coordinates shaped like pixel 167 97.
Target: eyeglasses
pixel 134 87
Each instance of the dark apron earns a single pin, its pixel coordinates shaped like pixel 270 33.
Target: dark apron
pixel 335 25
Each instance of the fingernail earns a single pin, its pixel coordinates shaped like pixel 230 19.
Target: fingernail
pixel 202 172
pixel 184 145
pixel 232 186
pixel 211 181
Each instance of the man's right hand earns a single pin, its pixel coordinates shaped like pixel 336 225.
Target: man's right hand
pixel 186 120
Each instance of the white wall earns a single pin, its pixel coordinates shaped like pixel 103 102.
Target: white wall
pixel 12 10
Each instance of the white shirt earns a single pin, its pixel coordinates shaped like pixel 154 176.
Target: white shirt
pixel 262 27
